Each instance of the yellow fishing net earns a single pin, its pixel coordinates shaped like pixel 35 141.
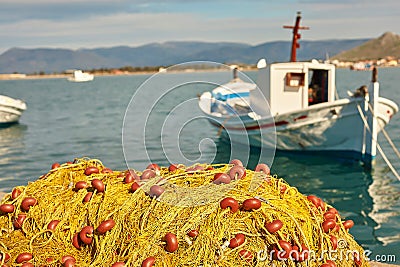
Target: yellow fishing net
pixel 84 214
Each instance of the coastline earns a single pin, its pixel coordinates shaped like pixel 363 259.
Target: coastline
pixel 101 74
pixel 9 77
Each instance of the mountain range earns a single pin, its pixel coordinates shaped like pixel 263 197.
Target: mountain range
pixel 49 60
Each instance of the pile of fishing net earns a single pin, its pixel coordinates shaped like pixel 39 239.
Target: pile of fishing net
pixel 84 214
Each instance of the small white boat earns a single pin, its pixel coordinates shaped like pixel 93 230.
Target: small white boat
pixel 79 76
pixel 295 107
pixel 10 109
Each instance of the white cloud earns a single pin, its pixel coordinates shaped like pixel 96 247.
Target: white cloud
pixel 133 29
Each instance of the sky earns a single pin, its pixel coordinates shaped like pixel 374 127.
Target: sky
pixel 75 24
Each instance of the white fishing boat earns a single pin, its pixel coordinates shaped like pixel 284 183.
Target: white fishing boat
pixel 79 76
pixel 10 109
pixel 361 66
pixel 295 107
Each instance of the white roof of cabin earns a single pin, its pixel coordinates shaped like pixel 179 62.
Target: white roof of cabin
pixel 236 86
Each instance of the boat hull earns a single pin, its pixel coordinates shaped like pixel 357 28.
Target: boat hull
pixel 80 76
pixel 10 110
pixel 335 127
pixel 8 118
pixel 80 80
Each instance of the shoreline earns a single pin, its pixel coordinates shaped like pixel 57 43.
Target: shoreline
pixel 11 77
pixel 103 74
pixel 8 77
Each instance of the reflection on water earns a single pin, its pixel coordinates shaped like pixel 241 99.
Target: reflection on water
pixel 385 210
pixel 11 142
pixel 11 146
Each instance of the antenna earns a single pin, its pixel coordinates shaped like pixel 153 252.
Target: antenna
pixel 296 36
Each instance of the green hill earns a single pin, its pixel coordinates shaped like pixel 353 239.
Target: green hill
pixel 387 45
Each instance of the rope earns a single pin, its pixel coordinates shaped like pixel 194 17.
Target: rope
pixel 385 134
pixel 388 162
pixel 221 127
pixel 377 144
pixel 141 222
pixel 390 142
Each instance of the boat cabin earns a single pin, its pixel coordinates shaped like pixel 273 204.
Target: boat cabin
pixel 292 86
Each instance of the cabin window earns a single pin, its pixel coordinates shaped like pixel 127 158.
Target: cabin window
pixel 294 79
pixel 318 87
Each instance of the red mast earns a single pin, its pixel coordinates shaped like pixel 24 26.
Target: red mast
pixel 296 36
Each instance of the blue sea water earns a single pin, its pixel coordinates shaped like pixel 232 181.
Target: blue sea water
pixel 67 120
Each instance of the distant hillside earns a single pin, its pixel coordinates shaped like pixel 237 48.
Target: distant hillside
pixel 386 45
pixel 57 60
pixel 157 54
pixel 48 60
pixel 278 51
